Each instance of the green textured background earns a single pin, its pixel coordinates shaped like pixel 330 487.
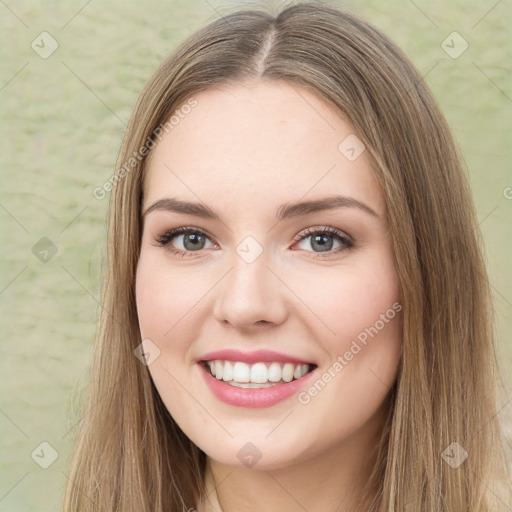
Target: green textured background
pixel 61 126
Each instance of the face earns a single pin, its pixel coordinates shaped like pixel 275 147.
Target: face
pixel 294 309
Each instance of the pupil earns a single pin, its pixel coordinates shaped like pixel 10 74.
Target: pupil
pixel 321 239
pixel 194 239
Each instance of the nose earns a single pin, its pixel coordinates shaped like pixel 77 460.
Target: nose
pixel 251 296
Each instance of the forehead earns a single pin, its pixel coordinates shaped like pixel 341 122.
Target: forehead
pixel 258 144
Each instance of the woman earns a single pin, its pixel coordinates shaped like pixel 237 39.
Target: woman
pixel 296 313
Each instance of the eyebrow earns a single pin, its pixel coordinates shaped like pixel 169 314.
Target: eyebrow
pixel 285 211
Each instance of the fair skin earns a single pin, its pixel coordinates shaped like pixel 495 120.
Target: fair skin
pixel 243 151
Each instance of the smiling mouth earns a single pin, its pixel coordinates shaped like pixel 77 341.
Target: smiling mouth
pixel 257 375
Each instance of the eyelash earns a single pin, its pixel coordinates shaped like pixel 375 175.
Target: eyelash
pixel 165 240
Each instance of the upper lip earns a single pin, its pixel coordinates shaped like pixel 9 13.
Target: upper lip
pixel 254 356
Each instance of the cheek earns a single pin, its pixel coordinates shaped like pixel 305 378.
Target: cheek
pixel 362 309
pixel 358 323
pixel 165 307
pixel 151 301
pixel 165 299
pixel 348 303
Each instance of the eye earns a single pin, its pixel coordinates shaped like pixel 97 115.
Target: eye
pixel 322 240
pixel 191 240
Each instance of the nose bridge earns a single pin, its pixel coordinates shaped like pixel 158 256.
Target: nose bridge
pixel 250 292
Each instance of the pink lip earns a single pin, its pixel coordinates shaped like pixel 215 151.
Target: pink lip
pixel 252 398
pixel 256 356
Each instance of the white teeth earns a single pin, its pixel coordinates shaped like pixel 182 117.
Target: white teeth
pixel 218 369
pixel 241 372
pixel 274 372
pixel 257 375
pixel 300 370
pixel 287 373
pixel 227 372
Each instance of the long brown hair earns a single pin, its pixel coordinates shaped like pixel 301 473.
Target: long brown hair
pixel 129 453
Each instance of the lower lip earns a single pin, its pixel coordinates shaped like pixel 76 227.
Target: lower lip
pixel 255 397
